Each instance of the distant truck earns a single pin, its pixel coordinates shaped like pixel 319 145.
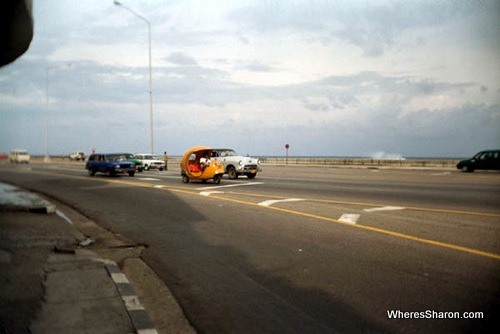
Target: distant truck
pixel 19 156
pixel 79 155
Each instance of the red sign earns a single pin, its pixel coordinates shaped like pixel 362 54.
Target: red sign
pixel 287 146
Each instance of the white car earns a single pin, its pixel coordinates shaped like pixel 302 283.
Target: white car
pixel 150 162
pixel 235 164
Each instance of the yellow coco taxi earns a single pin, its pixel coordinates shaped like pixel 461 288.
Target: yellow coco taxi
pixel 197 164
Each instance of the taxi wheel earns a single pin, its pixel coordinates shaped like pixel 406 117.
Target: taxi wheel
pixel 217 178
pixel 185 179
pixel 251 175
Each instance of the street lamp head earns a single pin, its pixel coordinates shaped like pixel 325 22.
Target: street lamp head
pixel 117 3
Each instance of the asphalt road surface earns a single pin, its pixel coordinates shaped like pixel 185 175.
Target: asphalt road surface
pixel 306 249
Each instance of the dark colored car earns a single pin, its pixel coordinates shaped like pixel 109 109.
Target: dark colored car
pixel 482 160
pixel 111 164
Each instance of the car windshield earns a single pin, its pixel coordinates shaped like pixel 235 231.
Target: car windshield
pixel 227 153
pixel 479 155
pixel 116 157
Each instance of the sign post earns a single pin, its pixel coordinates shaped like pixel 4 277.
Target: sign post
pixel 287 147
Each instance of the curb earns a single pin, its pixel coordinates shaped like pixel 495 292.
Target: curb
pixel 137 313
pixel 16 199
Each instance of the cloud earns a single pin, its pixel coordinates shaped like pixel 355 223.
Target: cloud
pixel 373 27
pixel 180 58
pixel 258 67
pixel 329 78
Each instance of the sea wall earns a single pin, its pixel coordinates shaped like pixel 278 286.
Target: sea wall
pixel 363 162
pixel 316 161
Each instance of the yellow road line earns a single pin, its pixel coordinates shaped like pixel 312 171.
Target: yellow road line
pixel 400 235
pixel 304 214
pixel 409 208
pixel 373 229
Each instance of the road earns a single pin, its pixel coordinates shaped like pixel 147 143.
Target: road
pixel 306 249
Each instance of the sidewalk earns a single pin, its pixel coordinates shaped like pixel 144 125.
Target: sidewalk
pixel 49 282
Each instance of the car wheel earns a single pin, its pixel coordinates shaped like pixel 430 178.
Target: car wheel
pixel 161 169
pixel 231 173
pixel 217 178
pixel 185 179
pixel 131 173
pixel 146 167
pixel 467 169
pixel 140 169
pixel 251 175
pixel 91 172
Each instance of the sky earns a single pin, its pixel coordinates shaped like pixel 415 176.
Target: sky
pixel 328 78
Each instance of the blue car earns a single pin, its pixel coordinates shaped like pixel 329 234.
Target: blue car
pixel 110 164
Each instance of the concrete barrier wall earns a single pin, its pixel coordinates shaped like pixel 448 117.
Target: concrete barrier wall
pixel 174 161
pixel 422 163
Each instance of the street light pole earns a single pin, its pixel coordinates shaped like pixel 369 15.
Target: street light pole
pixel 117 3
pixel 47 159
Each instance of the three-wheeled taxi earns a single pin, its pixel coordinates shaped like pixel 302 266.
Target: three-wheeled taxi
pixel 197 164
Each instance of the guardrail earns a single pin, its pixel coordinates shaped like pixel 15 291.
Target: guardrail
pixel 327 162
pixel 364 162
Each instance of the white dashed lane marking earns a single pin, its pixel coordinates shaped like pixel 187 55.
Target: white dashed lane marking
pixel 232 185
pixel 351 218
pixel 274 201
pixel 385 208
pixel 208 193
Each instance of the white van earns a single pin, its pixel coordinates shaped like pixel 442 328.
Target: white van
pixel 19 156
